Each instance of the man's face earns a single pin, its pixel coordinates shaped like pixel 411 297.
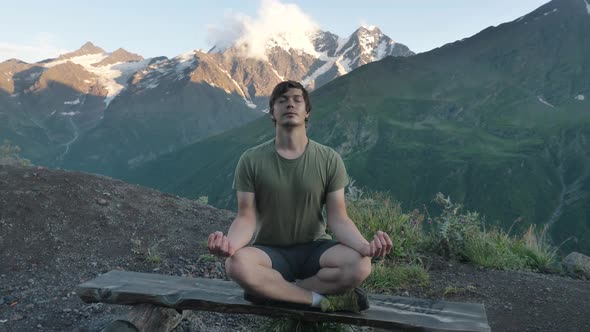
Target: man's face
pixel 289 109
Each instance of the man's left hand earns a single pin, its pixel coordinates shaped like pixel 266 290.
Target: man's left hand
pixel 379 247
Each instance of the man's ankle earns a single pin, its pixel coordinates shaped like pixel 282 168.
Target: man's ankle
pixel 316 299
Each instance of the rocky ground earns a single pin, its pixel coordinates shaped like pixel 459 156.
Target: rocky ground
pixel 59 228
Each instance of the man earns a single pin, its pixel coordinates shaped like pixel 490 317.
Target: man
pixel 282 186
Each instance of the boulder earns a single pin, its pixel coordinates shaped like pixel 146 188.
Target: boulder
pixel 578 264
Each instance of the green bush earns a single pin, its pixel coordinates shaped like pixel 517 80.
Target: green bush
pixel 453 234
pixel 535 248
pixel 494 249
pixel 451 229
pixel 9 154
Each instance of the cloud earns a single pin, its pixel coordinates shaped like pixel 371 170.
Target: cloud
pixel 284 25
pixel 42 46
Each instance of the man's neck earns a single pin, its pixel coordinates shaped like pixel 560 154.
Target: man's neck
pixel 291 143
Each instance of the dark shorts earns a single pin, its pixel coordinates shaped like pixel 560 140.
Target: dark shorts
pixel 298 261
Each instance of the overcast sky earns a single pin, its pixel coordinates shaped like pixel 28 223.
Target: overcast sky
pixel 36 30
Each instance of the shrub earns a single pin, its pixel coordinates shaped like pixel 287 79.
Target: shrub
pixel 376 212
pixel 9 154
pixel 493 249
pixel 451 228
pixel 535 248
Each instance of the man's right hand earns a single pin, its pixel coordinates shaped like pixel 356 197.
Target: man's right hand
pixel 219 245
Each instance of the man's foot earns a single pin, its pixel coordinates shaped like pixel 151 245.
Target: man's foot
pixel 354 300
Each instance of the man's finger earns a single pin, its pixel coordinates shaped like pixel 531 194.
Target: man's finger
pixel 210 240
pixel 224 246
pixel 378 243
pixel 386 242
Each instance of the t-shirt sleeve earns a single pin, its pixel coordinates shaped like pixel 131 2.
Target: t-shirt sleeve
pixel 338 178
pixel 244 177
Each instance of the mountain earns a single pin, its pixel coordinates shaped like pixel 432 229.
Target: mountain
pixel 499 121
pixel 110 112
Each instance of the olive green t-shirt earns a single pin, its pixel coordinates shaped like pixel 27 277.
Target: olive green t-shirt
pixel 290 193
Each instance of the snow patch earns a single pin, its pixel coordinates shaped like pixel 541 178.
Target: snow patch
pixel 552 11
pixel 541 99
pixel 342 64
pixel 579 97
pixel 69 113
pixel 113 77
pixel 587 6
pixel 367 41
pixel 369 27
pixel 250 104
pixel 322 70
pixel 274 71
pixel 341 43
pixel 185 61
pixel 381 50
pixel 73 102
pixel 152 85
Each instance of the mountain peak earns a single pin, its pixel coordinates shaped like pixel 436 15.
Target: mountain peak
pixel 120 55
pixel 369 28
pixel 86 49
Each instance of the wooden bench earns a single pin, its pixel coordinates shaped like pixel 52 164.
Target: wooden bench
pixel 160 299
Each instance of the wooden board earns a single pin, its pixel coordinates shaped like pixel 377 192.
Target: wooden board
pixel 122 287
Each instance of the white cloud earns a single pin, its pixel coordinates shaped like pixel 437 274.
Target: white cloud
pixel 40 47
pixel 285 24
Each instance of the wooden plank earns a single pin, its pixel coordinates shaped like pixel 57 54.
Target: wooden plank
pixel 182 293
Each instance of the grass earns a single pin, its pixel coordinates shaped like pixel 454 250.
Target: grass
pixel 386 276
pixel 454 233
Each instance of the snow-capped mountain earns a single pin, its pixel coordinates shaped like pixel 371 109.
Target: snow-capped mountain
pixel 90 109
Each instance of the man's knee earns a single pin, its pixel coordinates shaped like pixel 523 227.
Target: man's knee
pixel 238 266
pixel 360 271
pixel 354 273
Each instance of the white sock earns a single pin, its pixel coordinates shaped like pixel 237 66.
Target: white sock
pixel 316 299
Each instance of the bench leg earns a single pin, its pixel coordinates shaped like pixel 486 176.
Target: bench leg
pixel 146 318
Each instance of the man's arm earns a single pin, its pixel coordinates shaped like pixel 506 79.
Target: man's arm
pixel 243 227
pixel 346 231
pixel 241 230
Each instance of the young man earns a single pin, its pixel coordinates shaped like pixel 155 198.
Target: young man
pixel 282 186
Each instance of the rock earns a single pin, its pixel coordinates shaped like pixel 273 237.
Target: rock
pixel 16 317
pixel 578 264
pixel 102 201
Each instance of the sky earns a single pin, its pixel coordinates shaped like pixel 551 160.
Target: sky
pixel 33 30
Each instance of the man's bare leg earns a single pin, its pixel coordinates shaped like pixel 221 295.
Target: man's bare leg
pixel 252 269
pixel 342 268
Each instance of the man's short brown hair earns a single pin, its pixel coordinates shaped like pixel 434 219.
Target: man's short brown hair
pixel 282 88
